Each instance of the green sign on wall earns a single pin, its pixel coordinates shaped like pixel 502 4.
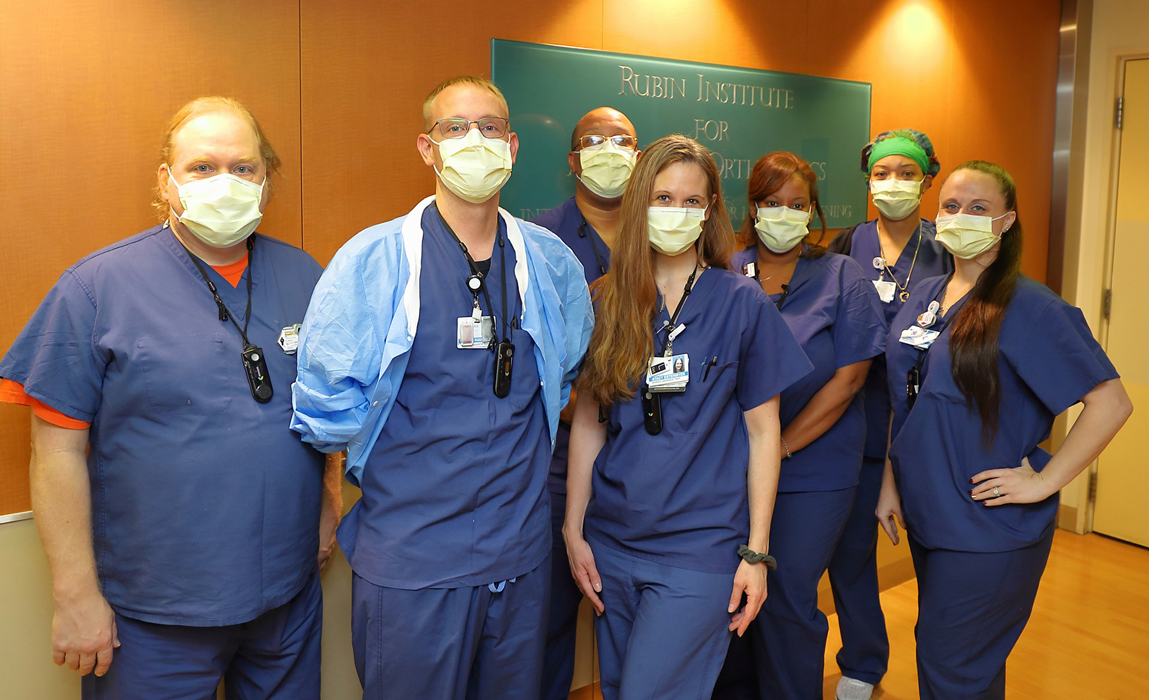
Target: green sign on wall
pixel 739 113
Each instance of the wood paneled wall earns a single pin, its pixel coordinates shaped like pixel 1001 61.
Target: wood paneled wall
pixel 87 88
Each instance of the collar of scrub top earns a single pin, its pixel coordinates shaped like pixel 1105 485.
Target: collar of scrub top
pixel 476 274
pixel 795 279
pixel 224 313
pixel 412 233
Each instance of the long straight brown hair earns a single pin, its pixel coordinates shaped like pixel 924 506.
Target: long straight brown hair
pixel 626 297
pixel 974 337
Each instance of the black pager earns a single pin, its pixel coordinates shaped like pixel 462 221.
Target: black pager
pixel 652 411
pixel 255 367
pixel 504 363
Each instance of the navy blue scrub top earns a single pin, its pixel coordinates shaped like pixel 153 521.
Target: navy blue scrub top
pixel 568 223
pixel 454 490
pixel 834 313
pixel 1048 360
pixel 932 260
pixel 680 497
pixel 205 506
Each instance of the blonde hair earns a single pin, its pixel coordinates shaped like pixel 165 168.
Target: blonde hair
pixel 472 80
pixel 211 105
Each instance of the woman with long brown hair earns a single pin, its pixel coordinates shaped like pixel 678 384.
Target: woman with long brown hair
pixel 980 363
pixel 673 529
pixel 835 315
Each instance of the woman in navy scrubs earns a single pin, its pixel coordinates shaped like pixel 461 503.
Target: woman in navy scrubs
pixel 835 315
pixel 897 251
pixel 980 363
pixel 685 464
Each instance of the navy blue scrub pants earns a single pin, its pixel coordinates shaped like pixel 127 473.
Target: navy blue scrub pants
pixel 972 608
pixel 273 657
pixel 664 631
pixel 562 620
pixel 865 652
pixel 474 643
pixel 788 639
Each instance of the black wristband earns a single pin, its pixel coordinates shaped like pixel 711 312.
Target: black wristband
pixel 754 557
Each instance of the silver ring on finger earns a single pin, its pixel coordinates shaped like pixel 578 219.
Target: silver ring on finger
pixel 996 491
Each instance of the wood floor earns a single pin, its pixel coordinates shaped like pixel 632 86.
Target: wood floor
pixel 1088 638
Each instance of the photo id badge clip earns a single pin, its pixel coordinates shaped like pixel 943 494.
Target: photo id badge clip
pixel 886 290
pixel 288 340
pixel 668 374
pixel 474 333
pixel 918 337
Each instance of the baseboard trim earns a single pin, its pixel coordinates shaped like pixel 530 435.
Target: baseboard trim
pixel 1067 518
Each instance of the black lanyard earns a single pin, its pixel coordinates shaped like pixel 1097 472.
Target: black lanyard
pixel 224 314
pixel 476 274
pixel 673 322
pixel 254 363
pixel 583 233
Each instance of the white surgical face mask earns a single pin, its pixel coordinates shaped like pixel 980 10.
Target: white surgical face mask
pixel 896 199
pixel 606 169
pixel 220 210
pixel 781 228
pixel 672 230
pixel 474 167
pixel 967 236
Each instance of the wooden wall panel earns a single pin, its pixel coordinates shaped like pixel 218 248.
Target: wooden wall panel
pixel 367 68
pixel 86 90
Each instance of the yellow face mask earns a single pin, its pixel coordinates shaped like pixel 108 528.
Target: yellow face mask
pixel 606 169
pixel 474 167
pixel 671 230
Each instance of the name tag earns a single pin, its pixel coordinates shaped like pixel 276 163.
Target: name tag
pixel 668 374
pixel 474 333
pixel 918 337
pixel 886 290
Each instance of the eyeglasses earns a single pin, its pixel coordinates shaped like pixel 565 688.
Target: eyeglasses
pixel 457 127
pixel 620 140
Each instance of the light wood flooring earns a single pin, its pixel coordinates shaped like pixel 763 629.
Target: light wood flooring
pixel 1088 637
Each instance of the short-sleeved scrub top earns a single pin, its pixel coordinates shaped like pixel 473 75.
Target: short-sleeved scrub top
pixel 915 264
pixel 680 497
pixel 454 488
pixel 1048 360
pixel 835 315
pixel 205 505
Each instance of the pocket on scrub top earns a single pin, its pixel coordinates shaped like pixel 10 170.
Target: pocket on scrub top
pixel 191 375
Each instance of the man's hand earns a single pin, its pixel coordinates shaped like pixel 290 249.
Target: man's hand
pixel 84 635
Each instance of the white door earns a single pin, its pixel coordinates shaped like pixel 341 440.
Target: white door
pixel 1122 506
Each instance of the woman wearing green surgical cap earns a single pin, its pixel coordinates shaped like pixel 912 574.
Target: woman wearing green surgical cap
pixel 897 250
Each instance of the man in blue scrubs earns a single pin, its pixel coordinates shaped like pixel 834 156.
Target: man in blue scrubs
pixel 180 516
pixel 604 149
pixel 438 350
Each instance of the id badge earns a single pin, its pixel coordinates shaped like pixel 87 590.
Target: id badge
pixel 474 333
pixel 886 290
pixel 918 337
pixel 668 374
pixel 288 340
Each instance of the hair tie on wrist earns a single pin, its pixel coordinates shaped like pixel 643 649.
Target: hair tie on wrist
pixel 754 557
